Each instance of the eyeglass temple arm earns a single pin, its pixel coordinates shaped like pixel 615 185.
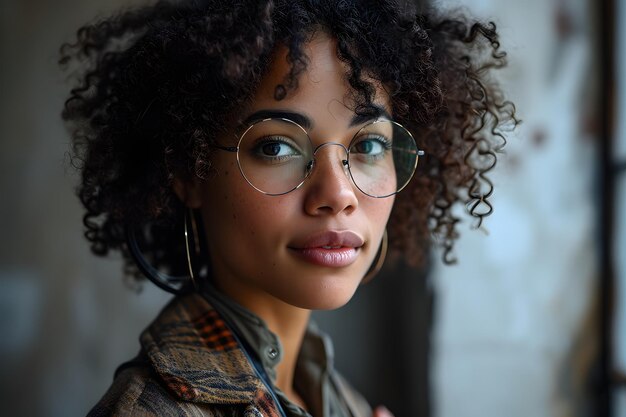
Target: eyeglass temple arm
pixel 417 152
pixel 226 148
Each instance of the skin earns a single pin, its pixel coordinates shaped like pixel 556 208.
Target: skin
pixel 250 234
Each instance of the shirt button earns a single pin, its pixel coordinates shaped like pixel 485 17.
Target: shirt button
pixel 272 352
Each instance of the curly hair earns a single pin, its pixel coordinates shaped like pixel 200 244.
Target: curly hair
pixel 157 84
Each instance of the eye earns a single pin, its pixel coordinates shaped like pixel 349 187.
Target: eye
pixel 276 148
pixel 371 146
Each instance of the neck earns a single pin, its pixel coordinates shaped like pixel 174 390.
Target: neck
pixel 287 322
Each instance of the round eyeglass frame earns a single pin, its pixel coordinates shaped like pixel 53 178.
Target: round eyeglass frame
pixel 345 162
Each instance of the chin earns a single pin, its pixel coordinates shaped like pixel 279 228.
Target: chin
pixel 323 296
pixel 330 305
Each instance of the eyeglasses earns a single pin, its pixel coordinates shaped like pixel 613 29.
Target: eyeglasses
pixel 276 156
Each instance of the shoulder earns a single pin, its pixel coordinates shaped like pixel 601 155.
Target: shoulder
pixel 190 365
pixel 355 401
pixel 138 392
pixel 128 395
pixel 317 352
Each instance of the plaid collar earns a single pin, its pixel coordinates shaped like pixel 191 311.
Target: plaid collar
pixel 198 358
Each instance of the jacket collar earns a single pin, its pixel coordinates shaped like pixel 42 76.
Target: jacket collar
pixel 198 357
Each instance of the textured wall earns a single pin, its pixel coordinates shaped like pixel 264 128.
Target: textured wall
pixel 620 210
pixel 514 335
pixel 66 318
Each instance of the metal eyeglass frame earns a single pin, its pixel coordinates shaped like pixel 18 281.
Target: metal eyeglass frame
pixel 311 164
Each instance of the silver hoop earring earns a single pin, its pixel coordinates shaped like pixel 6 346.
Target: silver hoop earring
pixel 194 229
pixel 177 285
pixel 379 261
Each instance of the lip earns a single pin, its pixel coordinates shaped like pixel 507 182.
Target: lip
pixel 333 258
pixel 343 238
pixel 330 248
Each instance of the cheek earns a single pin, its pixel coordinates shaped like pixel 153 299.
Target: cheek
pixel 235 212
pixel 378 210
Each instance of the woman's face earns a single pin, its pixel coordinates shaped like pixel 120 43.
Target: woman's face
pixel 277 247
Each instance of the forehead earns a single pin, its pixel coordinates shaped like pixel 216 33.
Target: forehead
pixel 322 92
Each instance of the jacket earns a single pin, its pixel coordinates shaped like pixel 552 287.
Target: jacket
pixel 192 364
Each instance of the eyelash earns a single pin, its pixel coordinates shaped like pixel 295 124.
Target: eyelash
pixel 274 139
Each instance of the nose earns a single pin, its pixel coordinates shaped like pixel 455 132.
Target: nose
pixel 330 190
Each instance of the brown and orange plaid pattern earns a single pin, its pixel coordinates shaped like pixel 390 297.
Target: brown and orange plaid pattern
pixel 214 332
pixel 190 365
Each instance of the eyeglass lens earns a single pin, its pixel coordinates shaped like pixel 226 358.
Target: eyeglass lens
pixel 276 155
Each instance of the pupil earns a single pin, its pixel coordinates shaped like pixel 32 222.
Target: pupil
pixel 365 146
pixel 271 149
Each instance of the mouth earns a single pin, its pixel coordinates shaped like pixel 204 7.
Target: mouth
pixel 334 249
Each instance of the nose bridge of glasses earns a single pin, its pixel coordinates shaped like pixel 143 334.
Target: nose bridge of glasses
pixel 343 156
pixel 319 147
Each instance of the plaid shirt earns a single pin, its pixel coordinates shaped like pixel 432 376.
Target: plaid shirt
pixel 191 364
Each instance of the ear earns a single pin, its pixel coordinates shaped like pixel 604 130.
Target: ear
pixel 188 191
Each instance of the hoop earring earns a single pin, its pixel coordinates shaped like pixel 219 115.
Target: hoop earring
pixel 379 261
pixel 178 285
pixel 194 229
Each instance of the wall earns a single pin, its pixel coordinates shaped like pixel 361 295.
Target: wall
pixel 514 334
pixel 67 319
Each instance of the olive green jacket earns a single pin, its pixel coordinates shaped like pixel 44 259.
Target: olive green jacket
pixel 192 364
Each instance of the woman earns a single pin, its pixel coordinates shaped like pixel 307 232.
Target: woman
pixel 249 156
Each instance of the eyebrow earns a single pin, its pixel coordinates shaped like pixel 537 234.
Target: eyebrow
pixel 373 112
pixel 299 118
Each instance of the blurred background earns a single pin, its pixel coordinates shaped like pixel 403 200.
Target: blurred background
pixel 530 322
